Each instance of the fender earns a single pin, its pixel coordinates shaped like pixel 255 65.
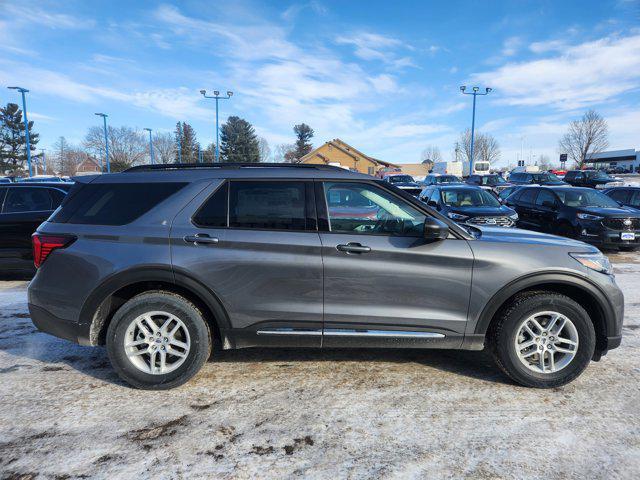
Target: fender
pixel 540 279
pixel 147 273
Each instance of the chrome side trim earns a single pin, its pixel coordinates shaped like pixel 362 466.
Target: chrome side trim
pixel 380 333
pixel 289 331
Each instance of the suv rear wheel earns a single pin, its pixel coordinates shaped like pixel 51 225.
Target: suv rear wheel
pixel 158 340
pixel 543 339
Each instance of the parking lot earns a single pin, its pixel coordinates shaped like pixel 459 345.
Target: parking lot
pixel 314 414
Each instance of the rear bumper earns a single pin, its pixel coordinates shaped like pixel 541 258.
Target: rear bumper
pixel 46 322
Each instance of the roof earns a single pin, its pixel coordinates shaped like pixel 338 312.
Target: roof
pixel 62 185
pixel 346 148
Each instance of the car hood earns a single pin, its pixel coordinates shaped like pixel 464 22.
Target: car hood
pixel 407 185
pixel 517 235
pixel 610 212
pixel 483 211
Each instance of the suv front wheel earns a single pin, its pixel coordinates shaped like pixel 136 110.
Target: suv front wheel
pixel 158 340
pixel 543 339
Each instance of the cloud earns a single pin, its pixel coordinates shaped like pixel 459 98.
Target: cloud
pixel 31 14
pixel 376 47
pixel 548 46
pixel 581 75
pixel 294 10
pixel 511 46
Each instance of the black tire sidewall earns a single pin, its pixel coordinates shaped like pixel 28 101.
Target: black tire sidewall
pixel 192 318
pixel 537 304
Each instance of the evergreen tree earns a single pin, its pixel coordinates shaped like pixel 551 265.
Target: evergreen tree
pixel 238 142
pixel 304 133
pixel 13 142
pixel 187 142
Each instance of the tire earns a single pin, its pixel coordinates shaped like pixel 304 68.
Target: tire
pixel 540 305
pixel 184 351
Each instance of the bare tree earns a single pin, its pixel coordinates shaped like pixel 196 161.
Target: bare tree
pixel 431 152
pixel 164 147
pixel 544 162
pixel 485 147
pixel 127 146
pixel 586 136
pixel 265 150
pixel 284 153
pixel 62 153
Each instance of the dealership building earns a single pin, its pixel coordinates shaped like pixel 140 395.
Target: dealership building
pixel 627 159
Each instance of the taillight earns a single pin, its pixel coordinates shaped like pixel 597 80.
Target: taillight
pixel 43 245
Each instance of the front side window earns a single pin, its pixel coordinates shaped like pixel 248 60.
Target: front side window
pixel 634 201
pixel 26 199
pixel 267 205
pixel 401 179
pixel 545 198
pixel 527 196
pixel 362 208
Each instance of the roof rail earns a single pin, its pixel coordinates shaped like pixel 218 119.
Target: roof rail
pixel 222 165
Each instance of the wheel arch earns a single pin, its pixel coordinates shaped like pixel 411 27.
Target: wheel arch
pixel 578 288
pixel 99 308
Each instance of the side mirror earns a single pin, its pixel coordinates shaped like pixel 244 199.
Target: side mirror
pixel 435 229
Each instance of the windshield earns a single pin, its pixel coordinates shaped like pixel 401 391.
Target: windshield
pixel 401 179
pixel 545 178
pixel 493 180
pixel 575 197
pixel 448 179
pixel 468 197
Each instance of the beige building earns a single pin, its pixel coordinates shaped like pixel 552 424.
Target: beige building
pixel 416 169
pixel 339 153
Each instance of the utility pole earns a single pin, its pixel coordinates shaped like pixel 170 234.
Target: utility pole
pixel 475 93
pixel 216 96
pixel 26 124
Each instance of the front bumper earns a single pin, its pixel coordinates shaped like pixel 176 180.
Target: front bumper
pixel 599 235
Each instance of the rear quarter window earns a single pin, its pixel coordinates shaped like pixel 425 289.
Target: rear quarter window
pixel 112 203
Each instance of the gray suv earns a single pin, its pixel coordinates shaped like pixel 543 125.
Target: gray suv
pixel 161 263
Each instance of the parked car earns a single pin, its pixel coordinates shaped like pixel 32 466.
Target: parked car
pixel 40 179
pixel 5 180
pixel 404 182
pixel 541 178
pixel 468 204
pixel 492 182
pixel 590 178
pixel 626 196
pixel 24 206
pixel 161 260
pixel 436 179
pixel 504 194
pixel 577 212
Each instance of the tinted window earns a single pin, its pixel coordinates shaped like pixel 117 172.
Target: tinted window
pixel 57 197
pixel 2 193
pixel 516 177
pixel 447 179
pixel 527 195
pixel 267 205
pixel 569 175
pixel 585 197
pixel 634 201
pixel 27 200
pixel 545 196
pixel 214 211
pixel 113 203
pixel 619 195
pixel 401 179
pixel 468 197
pixel 361 208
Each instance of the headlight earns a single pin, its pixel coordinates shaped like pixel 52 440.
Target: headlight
pixel 514 217
pixel 586 216
pixel 456 216
pixel 594 261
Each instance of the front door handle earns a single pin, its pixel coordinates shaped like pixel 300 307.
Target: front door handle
pixel 200 238
pixel 353 248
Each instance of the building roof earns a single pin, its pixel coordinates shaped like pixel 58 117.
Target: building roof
pixel 347 149
pixel 613 155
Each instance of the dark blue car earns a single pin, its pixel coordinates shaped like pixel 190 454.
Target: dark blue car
pixel 627 196
pixel 468 204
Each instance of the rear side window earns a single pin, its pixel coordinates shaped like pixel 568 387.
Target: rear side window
pixel 527 196
pixel 620 195
pixel 27 199
pixel 213 212
pixel 113 203
pixel 267 205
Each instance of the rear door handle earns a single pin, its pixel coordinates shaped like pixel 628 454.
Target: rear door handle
pixel 353 248
pixel 200 238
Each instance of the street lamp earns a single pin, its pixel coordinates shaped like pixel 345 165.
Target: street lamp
pixel 106 140
pixel 216 95
pixel 475 93
pixel 150 145
pixel 26 124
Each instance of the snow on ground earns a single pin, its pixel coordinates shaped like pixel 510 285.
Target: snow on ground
pixel 314 414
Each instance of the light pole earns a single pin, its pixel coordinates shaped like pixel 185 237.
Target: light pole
pixel 473 117
pixel 150 145
pixel 106 140
pixel 216 95
pixel 26 123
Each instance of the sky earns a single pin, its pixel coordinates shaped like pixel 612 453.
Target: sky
pixel 383 76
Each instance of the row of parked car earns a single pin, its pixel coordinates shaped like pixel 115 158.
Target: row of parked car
pixel 574 207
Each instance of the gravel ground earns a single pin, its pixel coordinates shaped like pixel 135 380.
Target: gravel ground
pixel 314 414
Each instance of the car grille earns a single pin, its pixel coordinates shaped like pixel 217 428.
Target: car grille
pixel 492 221
pixel 619 223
